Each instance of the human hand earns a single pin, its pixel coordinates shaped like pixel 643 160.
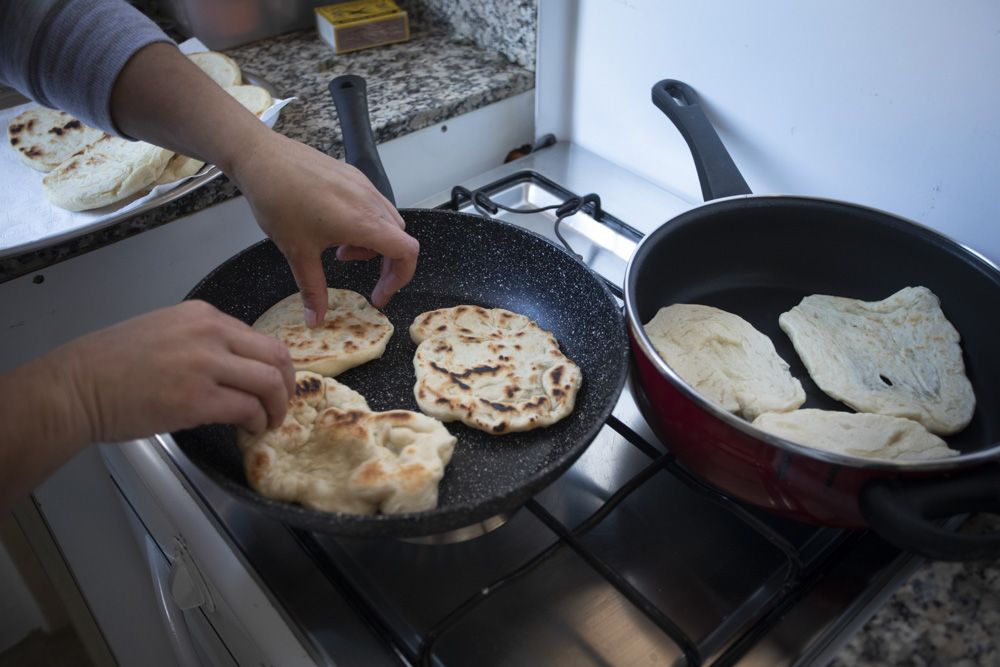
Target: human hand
pixel 307 201
pixel 176 368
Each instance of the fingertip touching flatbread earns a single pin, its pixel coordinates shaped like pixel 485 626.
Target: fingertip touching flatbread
pixel 220 67
pixel 859 434
pixel 491 369
pixel 725 358
pixel 44 138
pixel 333 454
pixel 899 356
pixel 105 172
pixel 353 332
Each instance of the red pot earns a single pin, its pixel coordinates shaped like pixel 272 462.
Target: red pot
pixel 757 256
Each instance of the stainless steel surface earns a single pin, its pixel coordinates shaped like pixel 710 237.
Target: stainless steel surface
pixel 744 586
pixel 11 98
pixel 207 173
pixel 235 22
pixel 463 534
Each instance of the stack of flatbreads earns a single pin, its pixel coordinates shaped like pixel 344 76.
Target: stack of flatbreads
pixel 86 168
pixel 897 362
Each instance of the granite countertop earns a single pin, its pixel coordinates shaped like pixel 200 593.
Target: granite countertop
pixel 433 77
pixel 945 614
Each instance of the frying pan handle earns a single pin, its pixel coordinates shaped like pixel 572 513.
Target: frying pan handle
pixel 716 170
pixel 903 512
pixel 350 96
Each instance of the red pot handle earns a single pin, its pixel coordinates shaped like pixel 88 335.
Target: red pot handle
pixel 905 512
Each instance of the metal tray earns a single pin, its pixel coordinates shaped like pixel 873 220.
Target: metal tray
pixel 206 174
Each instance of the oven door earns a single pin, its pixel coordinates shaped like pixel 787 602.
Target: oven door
pixel 212 608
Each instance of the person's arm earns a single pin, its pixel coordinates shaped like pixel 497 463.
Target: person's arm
pixel 172 369
pixel 107 64
pixel 303 199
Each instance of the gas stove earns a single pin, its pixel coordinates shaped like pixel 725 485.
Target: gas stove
pixel 626 559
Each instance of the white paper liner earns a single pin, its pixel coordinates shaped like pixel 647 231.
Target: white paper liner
pixel 27 218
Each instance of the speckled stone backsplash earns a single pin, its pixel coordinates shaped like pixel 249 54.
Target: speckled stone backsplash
pixel 505 26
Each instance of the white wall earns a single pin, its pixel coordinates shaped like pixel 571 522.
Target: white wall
pixel 893 104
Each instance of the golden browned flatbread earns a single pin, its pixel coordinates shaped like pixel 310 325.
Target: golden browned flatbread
pixel 491 369
pixel 220 67
pixel 353 332
pixel 44 138
pixel 333 454
pixel 107 171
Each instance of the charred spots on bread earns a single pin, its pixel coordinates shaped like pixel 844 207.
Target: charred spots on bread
pixel 556 374
pixel 73 125
pixel 500 427
pixel 17 128
pixel 478 370
pixel 307 386
pixel 496 406
pixel 14 141
pixel 35 151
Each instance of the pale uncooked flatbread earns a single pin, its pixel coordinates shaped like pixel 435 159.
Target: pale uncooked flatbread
pixel 107 171
pixel 857 434
pixel 353 332
pixel 220 67
pixel 179 166
pixel 897 357
pixel 333 454
pixel 254 98
pixel 491 369
pixel 723 357
pixel 44 138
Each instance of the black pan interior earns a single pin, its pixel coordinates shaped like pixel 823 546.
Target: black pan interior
pixel 463 259
pixel 758 257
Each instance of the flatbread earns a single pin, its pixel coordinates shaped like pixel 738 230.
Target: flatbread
pixel 254 98
pixel 178 167
pixel 723 357
pixel 860 434
pixel 333 454
pixel 491 369
pixel 44 138
pixel 353 332
pixel 899 356
pixel 220 67
pixel 105 172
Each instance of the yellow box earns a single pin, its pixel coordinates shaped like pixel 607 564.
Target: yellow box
pixel 361 24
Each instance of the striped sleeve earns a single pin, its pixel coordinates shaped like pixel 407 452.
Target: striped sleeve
pixel 67 54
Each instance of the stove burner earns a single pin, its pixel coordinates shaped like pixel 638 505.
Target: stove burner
pixel 488 208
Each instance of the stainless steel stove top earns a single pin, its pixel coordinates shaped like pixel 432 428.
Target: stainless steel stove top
pixel 624 560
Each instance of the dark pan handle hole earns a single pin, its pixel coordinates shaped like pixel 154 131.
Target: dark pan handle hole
pixel 677 93
pixel 886 380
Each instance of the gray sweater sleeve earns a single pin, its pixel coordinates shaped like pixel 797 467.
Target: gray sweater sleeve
pixel 67 54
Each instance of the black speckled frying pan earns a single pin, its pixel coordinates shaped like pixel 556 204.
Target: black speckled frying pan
pixel 463 259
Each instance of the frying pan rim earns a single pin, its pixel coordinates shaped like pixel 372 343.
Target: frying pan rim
pixel 362 525
pixel 646 345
